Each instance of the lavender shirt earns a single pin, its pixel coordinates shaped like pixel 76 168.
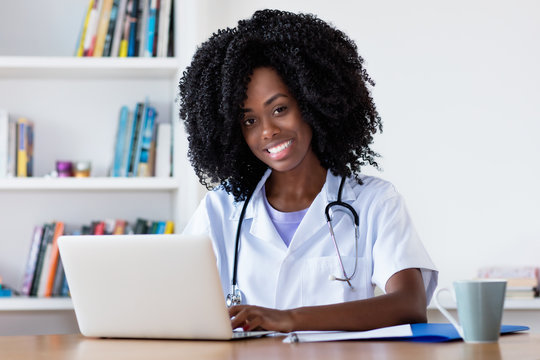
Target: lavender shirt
pixel 285 223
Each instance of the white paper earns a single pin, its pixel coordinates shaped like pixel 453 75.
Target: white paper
pixel 387 332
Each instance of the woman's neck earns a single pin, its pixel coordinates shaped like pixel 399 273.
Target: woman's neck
pixel 296 189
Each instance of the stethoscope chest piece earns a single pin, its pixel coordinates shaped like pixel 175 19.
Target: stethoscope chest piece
pixel 235 297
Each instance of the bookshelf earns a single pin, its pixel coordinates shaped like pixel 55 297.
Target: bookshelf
pixel 75 103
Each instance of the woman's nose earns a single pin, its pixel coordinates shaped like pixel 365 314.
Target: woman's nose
pixel 269 128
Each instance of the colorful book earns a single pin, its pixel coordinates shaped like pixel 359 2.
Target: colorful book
pixel 32 260
pixel 160 229
pixel 133 19
pixel 142 28
pixel 150 29
pixel 141 226
pixel 91 31
pixel 24 147
pixel 169 227
pixel 80 46
pixel 124 41
pixel 4 142
pixel 118 170
pixel 134 141
pixel 99 228
pixel 146 143
pixel 118 27
pixel 119 227
pixel 48 231
pixel 102 29
pixel 111 28
pixel 54 258
pixel 156 28
pixel 59 280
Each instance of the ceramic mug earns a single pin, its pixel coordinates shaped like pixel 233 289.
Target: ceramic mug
pixel 479 306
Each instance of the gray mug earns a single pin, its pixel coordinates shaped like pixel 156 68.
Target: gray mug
pixel 480 306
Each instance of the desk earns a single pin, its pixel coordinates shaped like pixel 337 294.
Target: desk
pixel 76 347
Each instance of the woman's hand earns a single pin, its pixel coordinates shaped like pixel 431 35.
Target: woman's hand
pixel 251 317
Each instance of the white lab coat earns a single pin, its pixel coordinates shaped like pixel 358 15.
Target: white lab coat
pixel 270 274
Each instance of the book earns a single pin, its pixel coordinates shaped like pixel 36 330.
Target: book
pixel 142 28
pixel 156 29
pixel 24 147
pixel 80 45
pixel 98 228
pixel 163 31
pixel 119 227
pixel 143 168
pixel 111 28
pixel 124 41
pixel 152 153
pixel 58 280
pixel 31 260
pixel 151 29
pixel 169 227
pixel 53 261
pixel 133 19
pixel 91 31
pixel 118 28
pixel 103 25
pixel 160 229
pixel 12 148
pixel 4 142
pixel 163 150
pixel 134 141
pixel 143 113
pixel 118 169
pixel 141 226
pixel 48 232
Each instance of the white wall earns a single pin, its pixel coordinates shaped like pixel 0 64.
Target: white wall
pixel 458 89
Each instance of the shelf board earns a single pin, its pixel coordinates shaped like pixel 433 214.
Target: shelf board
pixel 90 184
pixel 35 304
pixel 87 67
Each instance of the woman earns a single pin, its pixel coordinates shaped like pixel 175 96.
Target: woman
pixel 279 115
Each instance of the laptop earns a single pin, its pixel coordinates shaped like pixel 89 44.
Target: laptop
pixel 146 286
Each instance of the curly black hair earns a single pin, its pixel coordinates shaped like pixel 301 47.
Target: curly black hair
pixel 320 66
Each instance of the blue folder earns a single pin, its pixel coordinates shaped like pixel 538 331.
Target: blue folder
pixel 435 332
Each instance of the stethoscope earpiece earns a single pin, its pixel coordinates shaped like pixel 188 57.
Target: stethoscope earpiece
pixel 332 277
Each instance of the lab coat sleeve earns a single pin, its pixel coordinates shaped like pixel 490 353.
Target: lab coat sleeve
pixel 397 246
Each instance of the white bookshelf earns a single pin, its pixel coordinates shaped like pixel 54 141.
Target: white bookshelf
pixel 74 104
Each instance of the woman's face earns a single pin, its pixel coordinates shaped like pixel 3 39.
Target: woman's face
pixel 272 124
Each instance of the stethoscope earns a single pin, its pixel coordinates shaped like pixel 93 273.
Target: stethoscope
pixel 235 296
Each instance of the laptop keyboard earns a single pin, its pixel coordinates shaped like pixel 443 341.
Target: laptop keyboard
pixel 250 334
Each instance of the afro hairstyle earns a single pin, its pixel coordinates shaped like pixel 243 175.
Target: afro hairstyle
pixel 320 66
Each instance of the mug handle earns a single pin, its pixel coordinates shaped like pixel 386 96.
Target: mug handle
pixel 445 312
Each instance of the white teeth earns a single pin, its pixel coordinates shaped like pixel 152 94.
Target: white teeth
pixel 280 147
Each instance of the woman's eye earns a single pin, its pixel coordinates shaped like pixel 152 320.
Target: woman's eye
pixel 248 122
pixel 279 110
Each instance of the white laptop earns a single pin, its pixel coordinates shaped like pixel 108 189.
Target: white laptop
pixel 146 286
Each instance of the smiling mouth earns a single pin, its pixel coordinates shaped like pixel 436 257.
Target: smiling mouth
pixel 280 147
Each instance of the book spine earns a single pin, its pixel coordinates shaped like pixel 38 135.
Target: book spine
pixel 91 32
pixel 110 29
pixel 30 149
pixel 47 228
pixel 80 48
pixel 58 279
pixel 137 120
pixel 31 261
pixel 142 28
pixel 120 141
pixel 124 42
pixel 164 19
pixel 146 143
pixel 117 37
pixel 104 19
pixel 53 266
pixel 151 29
pixel 12 148
pixel 169 227
pixel 132 43
pixel 22 154
pixel 156 28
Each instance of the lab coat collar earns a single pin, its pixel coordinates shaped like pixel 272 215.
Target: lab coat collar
pixel 262 226
pixel 315 218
